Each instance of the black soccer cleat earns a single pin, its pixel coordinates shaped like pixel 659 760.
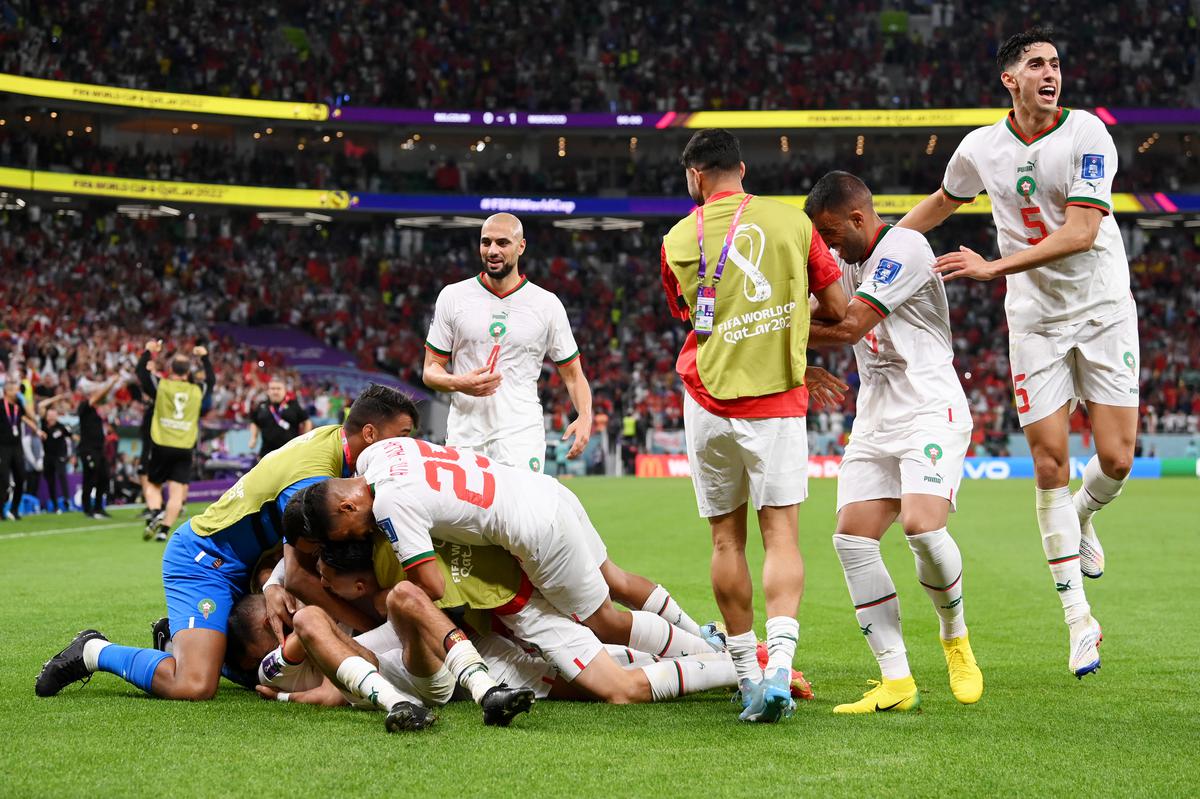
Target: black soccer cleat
pixel 66 667
pixel 161 631
pixel 408 717
pixel 502 704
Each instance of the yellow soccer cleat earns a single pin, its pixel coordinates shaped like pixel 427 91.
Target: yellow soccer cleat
pixel 885 696
pixel 966 680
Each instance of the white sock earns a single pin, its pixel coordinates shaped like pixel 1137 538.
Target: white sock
pixel 91 653
pixel 939 570
pixel 782 634
pixel 1060 541
pixel 468 668
pixel 1098 490
pixel 875 602
pixel 364 681
pixel 653 634
pixel 681 676
pixel 629 658
pixel 744 651
pixel 660 603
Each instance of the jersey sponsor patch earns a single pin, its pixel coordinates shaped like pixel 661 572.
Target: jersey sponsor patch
pixel 1093 167
pixel 886 271
pixel 385 524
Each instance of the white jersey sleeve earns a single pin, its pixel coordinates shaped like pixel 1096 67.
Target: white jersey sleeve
pixel 962 182
pixel 560 341
pixel 897 277
pixel 441 331
pixel 405 523
pixel 1095 166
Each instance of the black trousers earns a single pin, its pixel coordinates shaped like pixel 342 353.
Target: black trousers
pixel 55 472
pixel 12 467
pixel 95 480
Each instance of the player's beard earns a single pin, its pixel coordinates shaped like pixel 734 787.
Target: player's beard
pixel 501 271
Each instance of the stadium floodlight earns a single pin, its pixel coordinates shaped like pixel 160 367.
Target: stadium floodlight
pixel 317 217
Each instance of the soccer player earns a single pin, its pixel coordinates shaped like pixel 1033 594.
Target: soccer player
pixel 744 372
pixel 277 419
pixel 417 492
pixel 496 329
pixel 1073 335
pixel 174 431
pixel 207 563
pixel 96 478
pixel 911 432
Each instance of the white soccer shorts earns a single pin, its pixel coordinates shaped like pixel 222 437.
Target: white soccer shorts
pixel 566 644
pixel 525 450
pixel 738 460
pixel 1096 361
pixel 926 460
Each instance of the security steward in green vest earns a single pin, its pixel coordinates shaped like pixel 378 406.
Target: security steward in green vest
pixel 207 563
pixel 178 404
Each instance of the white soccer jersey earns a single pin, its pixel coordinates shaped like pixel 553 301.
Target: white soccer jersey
pixel 906 362
pixel 424 491
pixel 472 326
pixel 1030 181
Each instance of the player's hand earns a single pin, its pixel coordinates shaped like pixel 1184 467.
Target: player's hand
pixel 281 606
pixel 42 435
pixel 266 692
pixel 200 351
pixel 581 428
pixel 964 263
pixel 824 390
pixel 154 346
pixel 480 383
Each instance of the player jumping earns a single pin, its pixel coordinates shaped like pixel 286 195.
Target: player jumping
pixel 1048 172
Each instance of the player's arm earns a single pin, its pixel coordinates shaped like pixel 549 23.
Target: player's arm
pixel 99 394
pixel 480 383
pixel 46 403
pixel 142 370
pixel 1077 235
pixel 930 212
pixel 860 318
pixel 428 577
pixel 210 375
pixel 253 435
pixel 580 393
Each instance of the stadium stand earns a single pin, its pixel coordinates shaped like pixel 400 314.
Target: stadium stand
pixel 543 55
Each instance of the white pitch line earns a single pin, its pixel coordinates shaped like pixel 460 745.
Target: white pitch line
pixel 65 530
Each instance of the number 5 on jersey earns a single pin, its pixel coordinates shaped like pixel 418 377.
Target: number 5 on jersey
pixel 1032 217
pixel 441 459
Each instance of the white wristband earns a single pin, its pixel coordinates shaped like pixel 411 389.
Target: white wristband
pixel 282 696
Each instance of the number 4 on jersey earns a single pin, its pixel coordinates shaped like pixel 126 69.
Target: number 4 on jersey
pixel 439 459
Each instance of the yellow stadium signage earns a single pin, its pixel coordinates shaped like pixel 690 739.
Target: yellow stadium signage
pixel 899 118
pixel 162 101
pixel 169 191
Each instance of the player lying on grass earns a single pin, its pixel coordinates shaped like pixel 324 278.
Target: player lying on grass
pixel 207 563
pixel 911 432
pixel 417 492
pixel 354 574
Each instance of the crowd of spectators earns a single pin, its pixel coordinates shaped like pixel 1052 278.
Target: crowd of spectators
pixel 657 55
pixel 85 292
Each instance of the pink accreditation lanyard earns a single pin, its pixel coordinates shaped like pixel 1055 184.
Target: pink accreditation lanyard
pixel 706 296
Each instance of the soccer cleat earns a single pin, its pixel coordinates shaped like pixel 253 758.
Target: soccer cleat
pixel 1085 647
pixel 801 687
pixel 744 693
pixel 502 704
pixel 885 696
pixel 966 680
pixel 771 700
pixel 66 667
pixel 1091 554
pixel 408 717
pixel 161 632
pixel 713 635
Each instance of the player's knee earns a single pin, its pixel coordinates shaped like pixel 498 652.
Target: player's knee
pixel 1116 465
pixel 308 620
pixel 194 688
pixel 1051 469
pixel 404 599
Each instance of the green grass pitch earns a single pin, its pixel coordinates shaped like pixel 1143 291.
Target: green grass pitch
pixel 1130 730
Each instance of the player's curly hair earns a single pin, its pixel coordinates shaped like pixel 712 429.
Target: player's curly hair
pixel 307 514
pixel 377 404
pixel 352 555
pixel 1015 46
